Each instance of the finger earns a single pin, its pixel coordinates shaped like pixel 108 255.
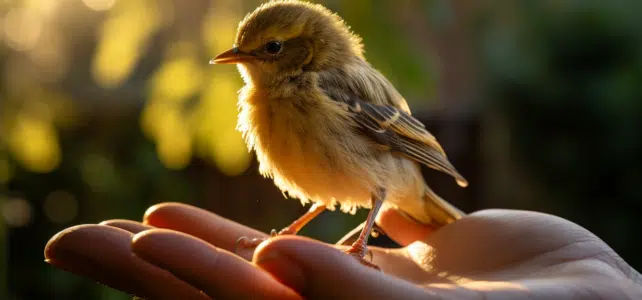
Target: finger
pixel 319 271
pixel 103 253
pixel 402 229
pixel 200 223
pixel 218 273
pixel 131 226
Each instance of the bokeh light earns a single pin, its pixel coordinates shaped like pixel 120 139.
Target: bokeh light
pixel 179 78
pixel 99 5
pixel 34 142
pixel 60 207
pixel 123 39
pixel 217 117
pixel 50 55
pixel 22 29
pixel 17 212
pixel 97 171
pixel 173 142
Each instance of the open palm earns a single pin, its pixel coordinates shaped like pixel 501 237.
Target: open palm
pixel 182 252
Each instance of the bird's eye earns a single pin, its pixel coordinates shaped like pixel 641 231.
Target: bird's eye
pixel 273 47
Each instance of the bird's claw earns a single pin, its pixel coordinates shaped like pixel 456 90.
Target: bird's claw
pixel 247 243
pixel 364 256
pixel 364 261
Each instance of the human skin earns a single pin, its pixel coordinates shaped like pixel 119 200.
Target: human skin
pixel 183 252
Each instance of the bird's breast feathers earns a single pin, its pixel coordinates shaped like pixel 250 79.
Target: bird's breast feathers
pixel 309 145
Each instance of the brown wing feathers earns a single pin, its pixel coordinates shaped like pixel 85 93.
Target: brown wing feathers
pixel 404 135
pixel 387 125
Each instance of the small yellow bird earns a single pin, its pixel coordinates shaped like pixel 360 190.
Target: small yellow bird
pixel 328 127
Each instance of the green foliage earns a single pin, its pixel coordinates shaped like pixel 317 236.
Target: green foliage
pixel 571 94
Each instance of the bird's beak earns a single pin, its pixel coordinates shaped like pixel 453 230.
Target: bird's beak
pixel 232 56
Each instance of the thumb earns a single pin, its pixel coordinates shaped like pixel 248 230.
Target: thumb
pixel 319 271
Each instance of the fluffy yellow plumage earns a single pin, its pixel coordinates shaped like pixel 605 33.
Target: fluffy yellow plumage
pixel 325 125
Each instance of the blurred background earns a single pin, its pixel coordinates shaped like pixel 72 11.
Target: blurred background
pixel 110 106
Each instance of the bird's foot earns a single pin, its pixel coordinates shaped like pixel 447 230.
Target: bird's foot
pixel 247 243
pixel 360 253
pixel 244 243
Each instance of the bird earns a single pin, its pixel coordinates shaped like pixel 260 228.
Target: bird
pixel 328 127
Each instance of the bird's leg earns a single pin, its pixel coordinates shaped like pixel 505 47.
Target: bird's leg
pixel 359 247
pixel 293 228
pixel 299 223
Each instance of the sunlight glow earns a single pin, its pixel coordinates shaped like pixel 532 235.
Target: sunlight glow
pixel 422 254
pixel 495 285
pixel 454 278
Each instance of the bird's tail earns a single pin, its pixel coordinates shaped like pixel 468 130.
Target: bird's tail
pixel 433 210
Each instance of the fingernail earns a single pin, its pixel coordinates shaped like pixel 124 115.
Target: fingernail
pixel 284 269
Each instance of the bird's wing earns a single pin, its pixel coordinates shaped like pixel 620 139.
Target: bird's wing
pixel 393 128
pixel 402 134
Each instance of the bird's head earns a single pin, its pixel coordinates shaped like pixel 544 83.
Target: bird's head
pixel 287 38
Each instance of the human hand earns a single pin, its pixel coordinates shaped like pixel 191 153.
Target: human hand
pixel 491 254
